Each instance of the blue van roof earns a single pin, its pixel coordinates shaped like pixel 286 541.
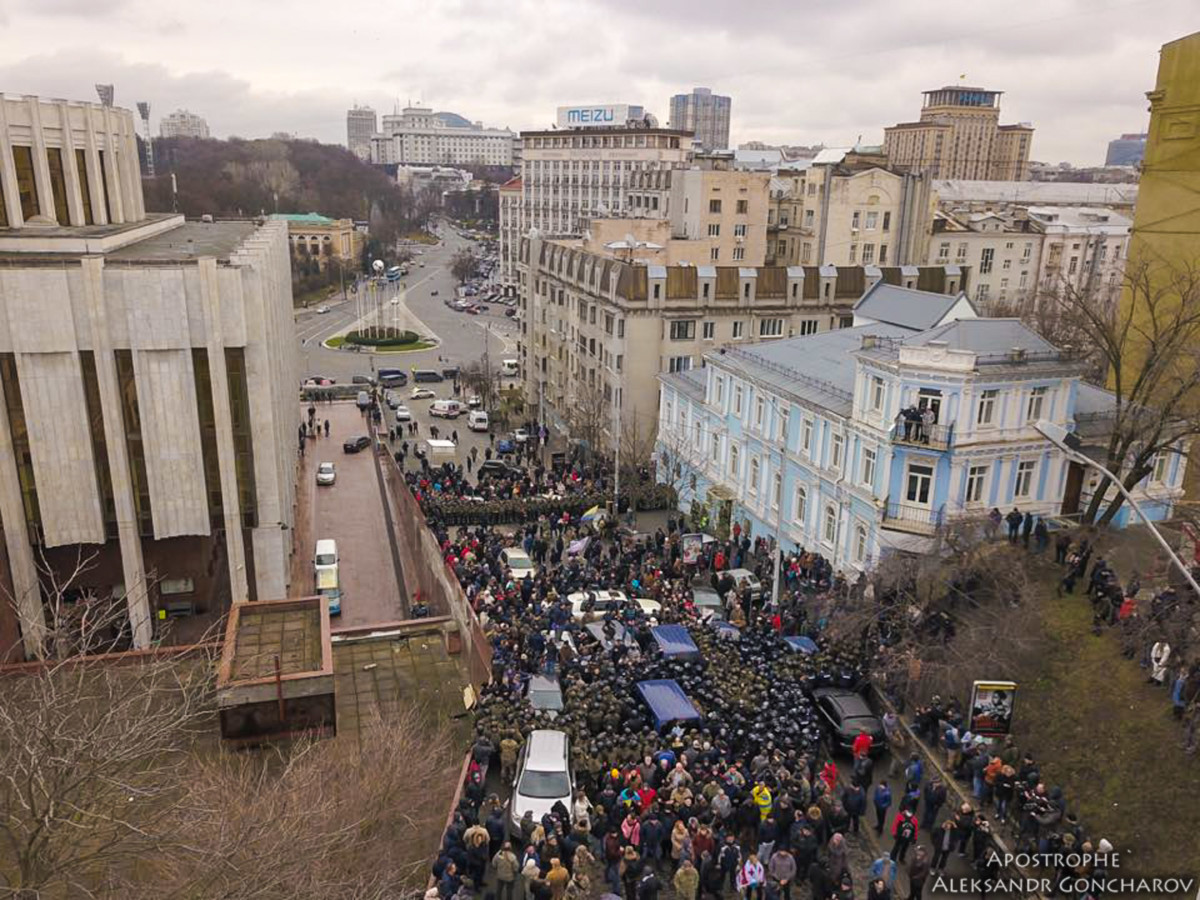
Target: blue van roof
pixel 675 641
pixel 667 701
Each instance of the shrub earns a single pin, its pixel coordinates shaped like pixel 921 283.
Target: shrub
pixel 382 337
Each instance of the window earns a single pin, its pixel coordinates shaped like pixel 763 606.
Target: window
pixel 976 476
pixel 739 253
pixel 920 477
pixel 887 225
pixel 868 258
pixel 860 543
pixel 58 185
pixel 620 328
pixel 620 361
pixel 808 326
pixel 829 533
pixel 808 217
pixel 784 421
pixel 760 409
pixel 1159 474
pixel 714 229
pixel 708 329
pixel 754 473
pixel 806 429
pixel 714 206
pixel 982 291
pixel 806 253
pixel 704 290
pixel 737 399
pixel 835 451
pixel 853 254
pixel 1025 471
pixel 696 434
pixel 876 393
pixel 714 254
pixel 776 491
pixel 739 230
pixel 1027 251
pixel 855 220
pixel 683 330
pixel 872 220
pixel 943 252
pixel 883 254
pixel 720 391
pixel 770 327
pixel 26 186
pixel 679 364
pixel 985 260
pixel 657 291
pixel 1006 265
pixel 962 252
pixel 743 207
pixel 1073 265
pixel 868 467
pixel 716 448
pixel 800 507
pixel 1037 398
pixel 733 460
pixel 987 407
pixel 737 329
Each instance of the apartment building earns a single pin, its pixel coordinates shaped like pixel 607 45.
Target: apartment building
pixel 182 123
pixel 148 374
pixel 804 438
pixel 419 135
pixel 705 114
pixel 510 235
pixel 959 135
pixel 1084 250
pixel 582 170
pixel 598 325
pixel 848 208
pixel 1004 252
pixel 361 123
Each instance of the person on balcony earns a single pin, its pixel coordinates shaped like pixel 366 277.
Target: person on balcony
pixel 927 420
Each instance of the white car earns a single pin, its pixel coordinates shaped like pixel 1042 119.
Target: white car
pixel 402 414
pixel 326 474
pixel 395 301
pixel 543 776
pixel 520 435
pixel 422 394
pixel 609 600
pixel 321 310
pixel 519 562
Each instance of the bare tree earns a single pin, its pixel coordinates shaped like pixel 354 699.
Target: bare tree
pixel 589 415
pixel 484 382
pixel 464 265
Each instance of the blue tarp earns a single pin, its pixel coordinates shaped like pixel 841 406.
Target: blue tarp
pixel 667 701
pixel 726 630
pixel 801 644
pixel 675 642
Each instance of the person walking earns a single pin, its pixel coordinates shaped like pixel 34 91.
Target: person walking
pixel 904 832
pixel 918 873
pixel 881 799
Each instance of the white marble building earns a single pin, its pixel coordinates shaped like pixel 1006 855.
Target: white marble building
pixel 147 382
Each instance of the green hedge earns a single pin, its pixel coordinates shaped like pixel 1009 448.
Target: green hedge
pixel 382 337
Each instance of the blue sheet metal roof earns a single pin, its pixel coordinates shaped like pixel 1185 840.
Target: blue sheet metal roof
pixel 674 640
pixel 667 701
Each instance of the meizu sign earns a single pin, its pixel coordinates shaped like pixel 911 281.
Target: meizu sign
pixel 611 115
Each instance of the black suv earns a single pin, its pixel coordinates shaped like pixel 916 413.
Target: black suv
pixel 495 468
pixel 354 444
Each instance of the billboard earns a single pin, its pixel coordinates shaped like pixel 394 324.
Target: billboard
pixel 992 707
pixel 601 115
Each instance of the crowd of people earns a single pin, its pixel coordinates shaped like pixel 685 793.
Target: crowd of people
pixel 751 798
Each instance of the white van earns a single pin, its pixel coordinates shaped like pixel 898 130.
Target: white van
pixel 447 409
pixel 477 420
pixel 325 558
pixel 508 367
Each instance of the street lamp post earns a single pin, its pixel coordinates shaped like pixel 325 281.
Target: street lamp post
pixel 1069 444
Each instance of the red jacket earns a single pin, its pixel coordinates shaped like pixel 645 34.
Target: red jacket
pixel 901 817
pixel 862 745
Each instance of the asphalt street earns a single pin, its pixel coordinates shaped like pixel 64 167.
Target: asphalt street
pixel 463 337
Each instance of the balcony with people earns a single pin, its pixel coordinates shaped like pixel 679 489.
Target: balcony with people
pixel 919 427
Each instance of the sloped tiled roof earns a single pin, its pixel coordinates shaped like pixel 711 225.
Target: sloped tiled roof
pixel 905 307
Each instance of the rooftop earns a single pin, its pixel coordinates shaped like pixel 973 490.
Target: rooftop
pixel 189 241
pixel 985 337
pixel 1080 217
pixel 905 307
pixel 291 635
pixel 311 218
pixel 1046 192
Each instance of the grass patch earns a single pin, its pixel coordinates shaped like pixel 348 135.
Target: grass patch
pixel 1109 739
pixel 335 342
pixel 420 237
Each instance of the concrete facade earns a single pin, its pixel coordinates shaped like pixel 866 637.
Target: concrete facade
pixel 510 235
pixel 321 238
pixel 418 135
pixel 959 135
pixel 361 123
pixel 148 421
pixel 705 114
pixel 182 123
pixel 597 331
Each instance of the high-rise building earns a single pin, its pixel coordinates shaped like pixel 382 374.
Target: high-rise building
pixel 361 123
pixel 705 114
pixel 147 386
pixel 421 136
pixel 182 123
pixel 959 135
pixel 1127 150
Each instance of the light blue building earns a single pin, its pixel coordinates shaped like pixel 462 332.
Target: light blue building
pixel 806 437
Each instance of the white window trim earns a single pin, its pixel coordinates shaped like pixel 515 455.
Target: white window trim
pixel 983 487
pixel 829 540
pixel 1028 495
pixel 800 507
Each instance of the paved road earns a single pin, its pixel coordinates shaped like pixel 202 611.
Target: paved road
pixel 463 336
pixel 351 512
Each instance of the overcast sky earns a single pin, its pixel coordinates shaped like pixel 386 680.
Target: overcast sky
pixel 799 71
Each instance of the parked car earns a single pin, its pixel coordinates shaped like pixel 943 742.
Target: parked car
pixel 497 468
pixel 745 576
pixel 391 399
pixel 321 310
pixel 504 446
pixel 434 292
pixel 474 402
pixel 477 420
pixel 521 435
pixel 603 601
pixel 421 394
pixel 519 562
pixel 325 557
pixel 355 444
pixel 326 473
pixel 364 400
pixel 846 714
pixel 328 586
pixel 707 601
pixel 362 379
pixel 543 777
pixel 403 414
